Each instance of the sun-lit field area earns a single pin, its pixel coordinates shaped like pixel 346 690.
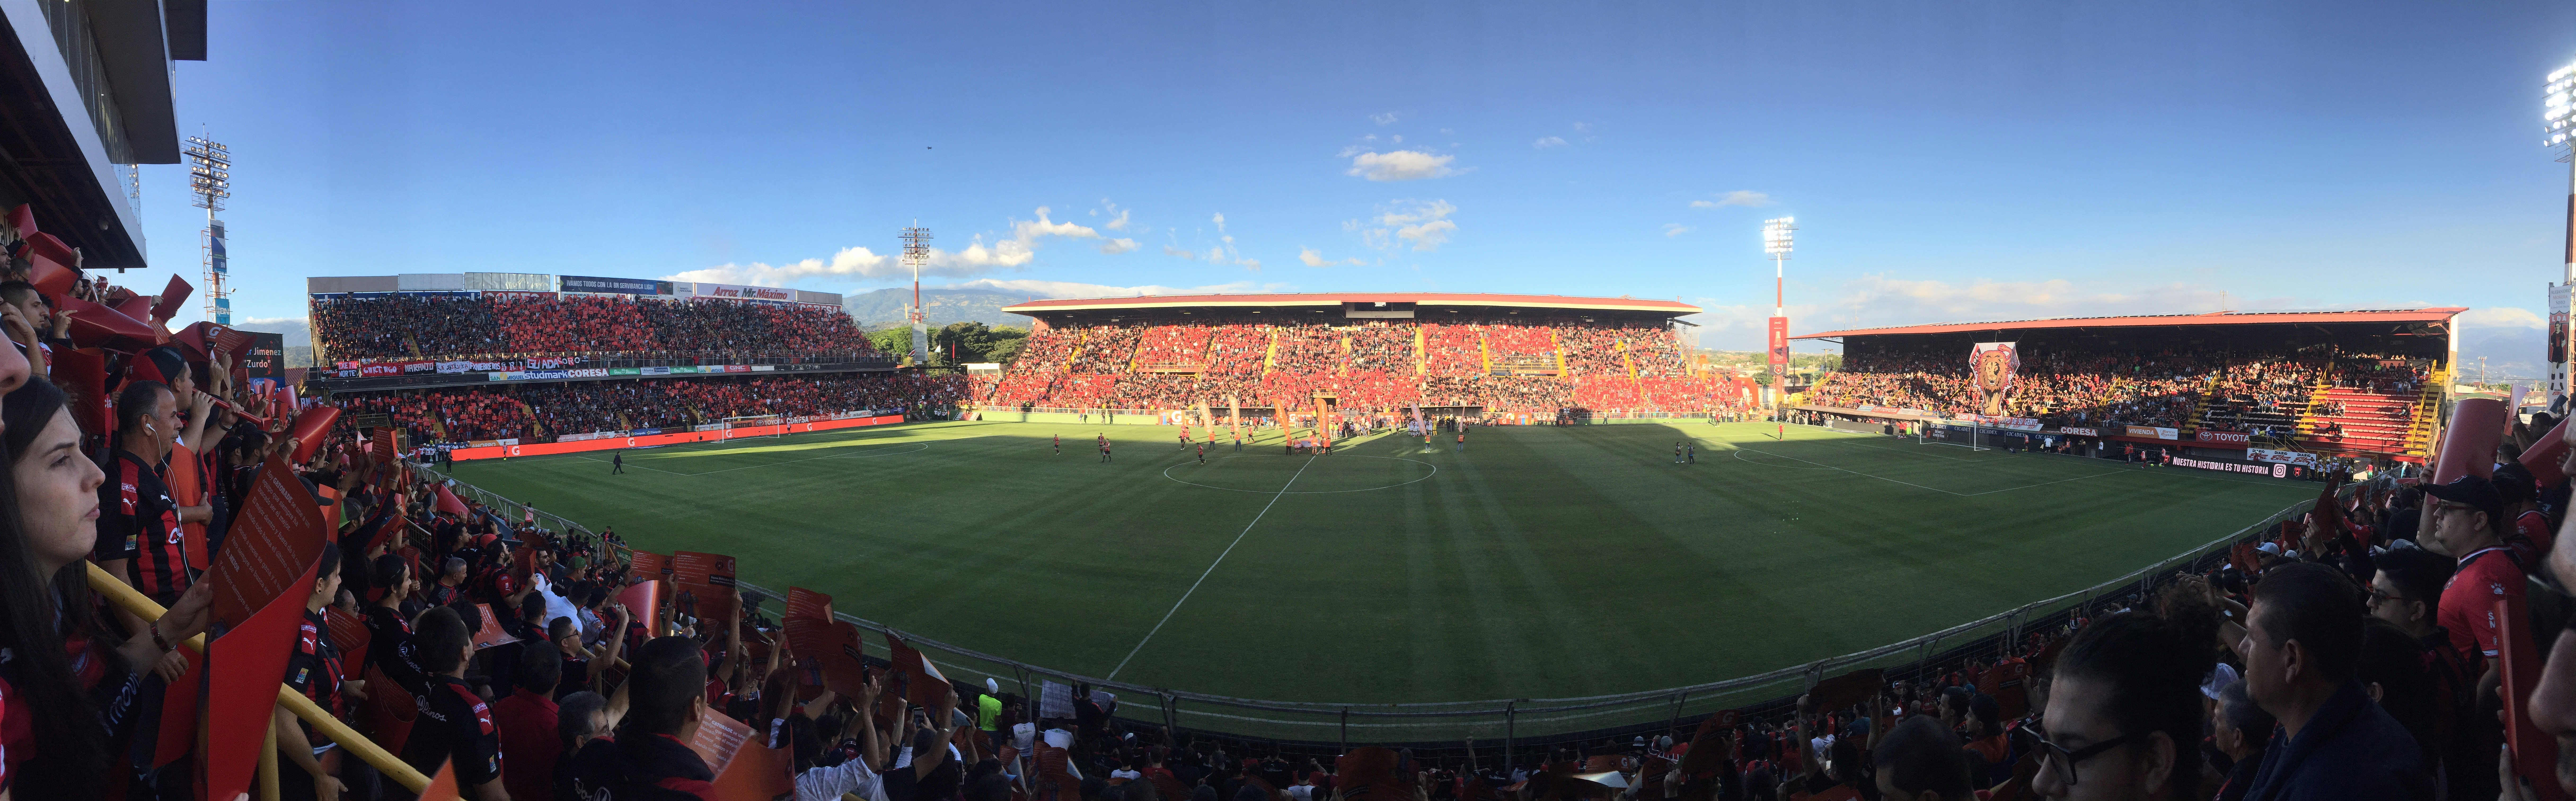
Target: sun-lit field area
pixel 1540 560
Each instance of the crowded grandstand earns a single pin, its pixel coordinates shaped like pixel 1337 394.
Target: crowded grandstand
pixel 2283 387
pixel 1370 352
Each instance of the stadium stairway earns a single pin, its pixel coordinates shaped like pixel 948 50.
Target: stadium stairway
pixel 535 426
pixel 2363 419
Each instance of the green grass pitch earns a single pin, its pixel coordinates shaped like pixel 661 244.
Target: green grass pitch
pixel 1541 562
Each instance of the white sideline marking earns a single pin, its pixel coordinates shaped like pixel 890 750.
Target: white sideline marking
pixel 1211 568
pixel 924 446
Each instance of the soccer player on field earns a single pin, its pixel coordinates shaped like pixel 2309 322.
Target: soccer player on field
pixel 1185 438
pixel 1059 444
pixel 1202 454
pixel 1104 449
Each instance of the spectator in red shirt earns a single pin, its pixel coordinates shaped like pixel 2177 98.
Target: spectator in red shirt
pixel 530 741
pixel 2468 524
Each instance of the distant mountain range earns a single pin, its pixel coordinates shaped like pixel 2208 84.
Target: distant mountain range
pixel 884 307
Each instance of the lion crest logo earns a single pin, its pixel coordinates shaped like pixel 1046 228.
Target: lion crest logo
pixel 1992 365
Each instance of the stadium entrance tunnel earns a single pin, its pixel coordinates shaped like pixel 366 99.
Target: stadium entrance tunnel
pixel 1270 473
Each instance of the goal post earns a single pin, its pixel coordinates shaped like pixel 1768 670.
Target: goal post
pixel 763 425
pixel 1953 435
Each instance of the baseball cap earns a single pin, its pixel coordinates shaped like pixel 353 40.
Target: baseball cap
pixel 2269 548
pixel 2472 491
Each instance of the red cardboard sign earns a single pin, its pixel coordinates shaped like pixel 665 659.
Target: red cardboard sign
pixel 276 538
pixel 643 600
pixel 710 579
pixel 242 670
pixel 312 425
pixel 719 738
pixel 2535 753
pixel 491 634
pixel 923 685
pixel 173 296
pixel 349 634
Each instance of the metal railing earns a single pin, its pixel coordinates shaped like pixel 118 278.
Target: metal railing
pixel 1535 720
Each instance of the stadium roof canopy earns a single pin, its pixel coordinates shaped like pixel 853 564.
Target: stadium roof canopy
pixel 1348 305
pixel 2428 315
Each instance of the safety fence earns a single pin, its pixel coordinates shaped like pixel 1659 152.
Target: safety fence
pixel 1507 726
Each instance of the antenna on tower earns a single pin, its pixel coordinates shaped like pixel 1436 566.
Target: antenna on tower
pixel 915 254
pixel 210 178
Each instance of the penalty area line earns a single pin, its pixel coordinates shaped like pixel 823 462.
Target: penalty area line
pixel 1211 568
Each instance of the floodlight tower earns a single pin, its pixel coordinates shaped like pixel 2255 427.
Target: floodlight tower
pixel 916 254
pixel 2558 133
pixel 1776 240
pixel 210 178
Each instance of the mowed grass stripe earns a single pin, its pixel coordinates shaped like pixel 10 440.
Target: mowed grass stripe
pixel 1542 562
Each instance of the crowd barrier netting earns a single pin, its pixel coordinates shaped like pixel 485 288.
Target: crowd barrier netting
pixel 1508 725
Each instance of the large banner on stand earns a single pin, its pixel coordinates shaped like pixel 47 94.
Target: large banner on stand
pixel 1991 366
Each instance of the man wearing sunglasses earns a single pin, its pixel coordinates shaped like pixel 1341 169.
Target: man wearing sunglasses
pixel 2468 525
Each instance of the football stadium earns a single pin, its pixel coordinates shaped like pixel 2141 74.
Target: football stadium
pixel 588 457
pixel 1274 469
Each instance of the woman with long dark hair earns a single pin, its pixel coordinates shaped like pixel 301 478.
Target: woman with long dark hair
pixel 67 682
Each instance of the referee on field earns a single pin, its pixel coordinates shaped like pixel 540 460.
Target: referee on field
pixel 617 463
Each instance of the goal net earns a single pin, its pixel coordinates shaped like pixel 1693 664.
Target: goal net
pixel 761 425
pixel 1954 435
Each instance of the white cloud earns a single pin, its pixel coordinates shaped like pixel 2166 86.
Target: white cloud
pixel 1675 229
pixel 1118 224
pixel 976 258
pixel 1426 226
pixel 1740 197
pixel 1548 142
pixel 1117 246
pixel 2501 317
pixel 849 263
pixel 1387 118
pixel 1315 258
pixel 1220 222
pixel 1400 165
pixel 1583 127
pixel 1169 250
pixel 1072 289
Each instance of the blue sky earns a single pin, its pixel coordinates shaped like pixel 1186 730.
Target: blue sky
pixel 1945 161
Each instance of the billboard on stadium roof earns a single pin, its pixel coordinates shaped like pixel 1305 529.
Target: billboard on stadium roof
pixel 742 292
pixel 616 286
pixel 508 282
pixel 819 298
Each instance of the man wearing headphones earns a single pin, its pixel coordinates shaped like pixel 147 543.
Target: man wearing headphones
pixel 139 538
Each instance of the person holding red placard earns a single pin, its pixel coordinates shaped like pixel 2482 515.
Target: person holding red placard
pixel 665 706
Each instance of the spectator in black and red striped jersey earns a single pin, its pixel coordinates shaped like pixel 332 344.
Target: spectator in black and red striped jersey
pixel 139 539
pixel 314 669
